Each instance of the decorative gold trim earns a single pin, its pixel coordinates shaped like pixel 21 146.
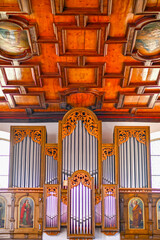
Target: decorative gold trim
pixel 52 152
pixel 124 135
pixel 109 191
pixel 107 152
pixel 80 177
pixel 98 199
pixel 71 121
pixel 64 199
pixel 19 135
pixel 52 191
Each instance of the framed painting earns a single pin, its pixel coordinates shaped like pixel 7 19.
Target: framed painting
pixel 158 214
pixel 136 213
pixel 2 212
pixel 26 213
pixel 18 39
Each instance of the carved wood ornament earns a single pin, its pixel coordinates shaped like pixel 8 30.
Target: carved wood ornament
pixel 107 152
pixel 52 152
pixel 52 191
pixel 19 135
pixel 86 118
pixel 81 177
pixel 124 135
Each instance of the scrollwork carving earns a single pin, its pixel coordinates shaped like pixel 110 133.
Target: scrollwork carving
pixel 109 191
pixel 107 152
pixel 86 118
pixel 98 199
pixel 124 135
pixel 52 152
pixel 52 191
pixel 19 135
pixel 64 199
pixel 83 178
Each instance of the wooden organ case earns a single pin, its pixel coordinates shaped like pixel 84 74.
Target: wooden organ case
pixel 79 183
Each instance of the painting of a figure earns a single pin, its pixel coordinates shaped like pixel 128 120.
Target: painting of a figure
pixel 26 213
pixel 148 39
pixel 158 214
pixel 136 211
pixel 13 39
pixel 2 213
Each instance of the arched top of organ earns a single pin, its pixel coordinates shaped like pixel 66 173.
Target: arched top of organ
pixel 89 119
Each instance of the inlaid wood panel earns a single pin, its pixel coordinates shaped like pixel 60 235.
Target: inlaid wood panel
pixel 81 40
pixel 88 75
pixel 146 6
pixel 15 6
pixel 76 7
pixel 24 75
pixel 138 75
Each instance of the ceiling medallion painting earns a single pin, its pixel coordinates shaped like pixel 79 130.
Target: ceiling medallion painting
pixel 143 40
pixel 148 40
pixel 16 40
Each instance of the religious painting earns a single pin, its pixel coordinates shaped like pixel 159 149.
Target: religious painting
pixel 136 213
pixel 148 40
pixel 13 39
pixel 158 214
pixel 2 212
pixel 26 213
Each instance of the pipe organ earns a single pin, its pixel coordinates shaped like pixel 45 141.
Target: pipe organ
pixel 79 183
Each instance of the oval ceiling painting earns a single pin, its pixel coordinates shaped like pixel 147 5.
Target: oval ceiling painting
pixel 13 40
pixel 148 40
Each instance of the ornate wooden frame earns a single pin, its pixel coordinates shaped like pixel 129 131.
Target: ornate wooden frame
pixel 99 96
pixel 32 31
pixel 117 129
pixel 35 69
pixel 128 74
pixel 17 133
pixel 114 189
pixel 131 39
pixel 58 8
pixel 36 231
pixel 24 8
pixel 49 187
pixel 64 81
pixel 102 29
pixel 97 130
pixel 10 98
pixel 89 183
pixel 140 7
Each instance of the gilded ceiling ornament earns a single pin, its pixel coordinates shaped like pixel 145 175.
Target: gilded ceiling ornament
pixel 52 191
pixel 83 178
pixel 19 135
pixel 107 152
pixel 124 135
pixel 86 118
pixel 109 191
pixel 52 152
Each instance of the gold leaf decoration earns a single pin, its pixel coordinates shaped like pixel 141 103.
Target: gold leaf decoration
pixel 124 135
pixel 109 191
pixel 86 118
pixel 35 135
pixel 52 152
pixel 107 152
pixel 52 191
pixel 83 178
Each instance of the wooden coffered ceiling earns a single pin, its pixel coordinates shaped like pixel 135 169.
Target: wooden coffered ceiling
pixel 59 54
